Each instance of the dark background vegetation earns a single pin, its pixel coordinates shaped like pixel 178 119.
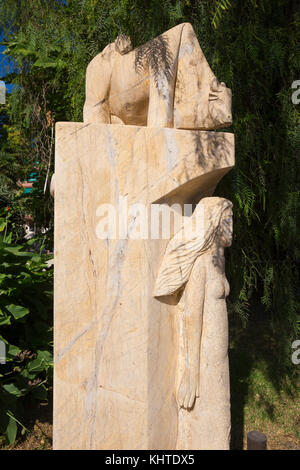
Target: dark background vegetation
pixel 251 45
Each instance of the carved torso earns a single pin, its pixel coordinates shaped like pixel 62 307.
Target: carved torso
pixel 129 101
pixel 166 82
pixel 216 285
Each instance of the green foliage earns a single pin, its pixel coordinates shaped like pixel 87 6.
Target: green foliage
pixel 220 7
pixel 259 61
pixel 25 319
pixel 263 396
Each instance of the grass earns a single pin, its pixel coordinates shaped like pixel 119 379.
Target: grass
pixel 276 413
pixel 265 386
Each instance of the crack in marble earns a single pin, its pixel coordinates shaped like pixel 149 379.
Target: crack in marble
pixel 72 342
pixel 122 394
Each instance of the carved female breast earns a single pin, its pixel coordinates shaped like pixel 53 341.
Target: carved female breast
pixel 218 288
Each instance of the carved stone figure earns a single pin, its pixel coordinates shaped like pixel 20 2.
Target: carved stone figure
pixel 196 267
pixel 164 83
pixel 140 322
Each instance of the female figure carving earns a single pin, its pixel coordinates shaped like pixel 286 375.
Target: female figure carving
pixel 194 267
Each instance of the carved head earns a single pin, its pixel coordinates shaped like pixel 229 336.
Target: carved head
pixel 218 225
pixel 123 44
pixel 182 250
pixel 219 104
pixel 224 234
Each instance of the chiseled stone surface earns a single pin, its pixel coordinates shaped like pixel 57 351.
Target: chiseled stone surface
pixel 117 346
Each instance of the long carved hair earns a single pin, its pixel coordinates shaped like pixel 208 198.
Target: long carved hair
pixel 182 250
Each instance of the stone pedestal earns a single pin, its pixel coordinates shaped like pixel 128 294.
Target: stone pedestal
pixel 116 346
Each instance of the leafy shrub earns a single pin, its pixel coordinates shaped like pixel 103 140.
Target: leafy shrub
pixel 25 322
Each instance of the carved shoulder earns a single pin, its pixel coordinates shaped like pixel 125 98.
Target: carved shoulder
pixel 107 55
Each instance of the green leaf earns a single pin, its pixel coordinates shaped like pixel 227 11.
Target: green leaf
pixel 17 311
pixel 28 375
pixel 13 350
pixel 15 250
pixel 46 356
pixel 3 224
pixel 46 63
pixel 3 421
pixel 37 365
pixel 4 320
pixel 36 259
pixel 8 238
pixel 3 339
pixel 12 389
pixel 43 361
pixel 11 430
pixel 21 51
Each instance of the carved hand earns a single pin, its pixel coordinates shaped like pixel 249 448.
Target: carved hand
pixel 189 388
